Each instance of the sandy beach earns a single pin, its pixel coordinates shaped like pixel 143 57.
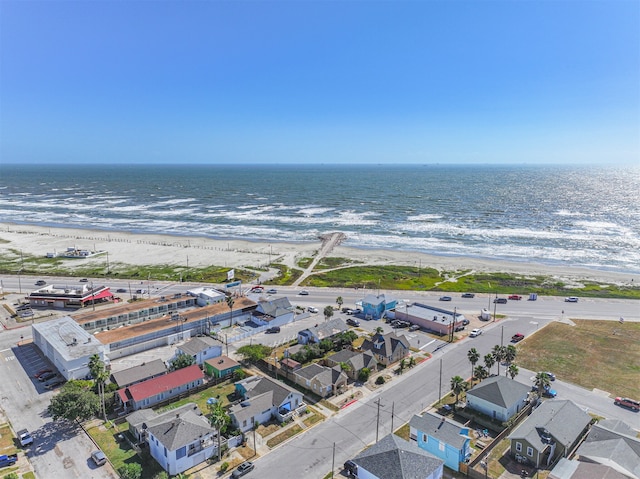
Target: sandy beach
pixel 194 251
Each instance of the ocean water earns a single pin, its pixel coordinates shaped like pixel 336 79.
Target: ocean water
pixel 567 215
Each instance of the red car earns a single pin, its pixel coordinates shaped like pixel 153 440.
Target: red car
pixel 629 403
pixel 517 337
pixel 515 297
pixel 41 372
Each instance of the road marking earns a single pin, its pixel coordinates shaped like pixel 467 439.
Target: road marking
pixel 430 342
pixel 9 358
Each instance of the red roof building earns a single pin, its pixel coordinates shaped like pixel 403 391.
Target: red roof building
pixel 153 391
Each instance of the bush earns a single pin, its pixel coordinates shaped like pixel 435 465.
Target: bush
pixel 223 467
pixel 11 475
pixel 130 471
pixel 380 380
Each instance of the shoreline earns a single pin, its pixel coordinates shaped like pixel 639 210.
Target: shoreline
pixel 200 251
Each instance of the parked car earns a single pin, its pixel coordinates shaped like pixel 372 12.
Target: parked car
pixel 468 295
pixel 399 323
pixel 476 332
pixel 571 299
pixel 515 297
pixel 272 291
pixel 353 322
pixel 55 383
pixel 500 300
pixel 243 469
pixel 304 292
pixel 345 310
pixel 273 329
pixel 628 403
pixel 548 392
pixel 552 377
pixel 6 461
pixel 355 311
pixel 41 372
pixel 351 469
pixel 46 376
pixel 24 437
pixel 517 337
pixel 445 298
pixel 414 327
pixel 99 458
pixel 465 322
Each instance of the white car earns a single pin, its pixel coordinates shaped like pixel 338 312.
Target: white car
pixel 475 332
pixel 571 299
pixel 311 309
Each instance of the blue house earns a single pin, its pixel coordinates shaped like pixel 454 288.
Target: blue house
pixel 441 437
pixel 374 307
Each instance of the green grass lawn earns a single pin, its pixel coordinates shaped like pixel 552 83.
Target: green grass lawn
pixel 593 354
pixel 120 452
pixel 222 392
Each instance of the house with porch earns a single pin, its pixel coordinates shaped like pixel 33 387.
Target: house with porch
pixel 356 361
pixel 498 397
pixel 263 399
pixel 321 380
pixel 395 458
pixel 153 391
pixel 551 431
pixel 444 438
pixel 181 440
pixel 386 348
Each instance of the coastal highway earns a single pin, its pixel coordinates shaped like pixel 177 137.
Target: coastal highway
pixel 549 307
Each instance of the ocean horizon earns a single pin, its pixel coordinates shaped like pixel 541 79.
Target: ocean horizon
pixel 578 216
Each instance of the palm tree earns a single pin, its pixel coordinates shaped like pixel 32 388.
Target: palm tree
pixel 473 355
pixel 498 354
pixel 339 301
pixel 512 370
pixel 218 417
pixel 230 302
pixel 480 373
pixel 328 312
pixel 403 365
pixel 458 385
pixel 542 381
pixel 510 353
pixel 379 330
pixel 100 376
pixel 489 361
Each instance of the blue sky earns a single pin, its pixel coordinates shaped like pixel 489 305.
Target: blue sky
pixel 320 82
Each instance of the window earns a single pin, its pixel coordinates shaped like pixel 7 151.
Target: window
pixel 529 451
pixel 180 453
pixel 424 438
pixel 165 452
pixel 519 446
pixel 441 446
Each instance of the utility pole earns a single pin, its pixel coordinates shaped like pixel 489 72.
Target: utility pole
pixel 393 405
pixel 495 305
pixel 333 459
pixel 502 337
pixel 440 385
pixel 378 420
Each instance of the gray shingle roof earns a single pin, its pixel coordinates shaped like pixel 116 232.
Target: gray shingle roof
pixel 249 408
pixel 326 376
pixel 385 344
pixel 447 431
pixel 181 430
pixel 256 385
pixel 343 356
pixel 362 360
pixel 394 458
pixel 329 328
pixel 612 448
pixel 561 418
pixel 499 390
pixel 275 307
pixel 139 373
pixel 197 345
pixel 566 469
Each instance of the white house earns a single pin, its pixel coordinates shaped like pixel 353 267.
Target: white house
pixel 181 440
pixel 207 296
pixel 276 312
pixel 201 348
pixel 67 346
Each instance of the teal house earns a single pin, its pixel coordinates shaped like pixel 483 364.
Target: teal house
pixel 445 439
pixel 374 307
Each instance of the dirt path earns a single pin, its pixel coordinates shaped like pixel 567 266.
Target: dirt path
pixel 329 242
